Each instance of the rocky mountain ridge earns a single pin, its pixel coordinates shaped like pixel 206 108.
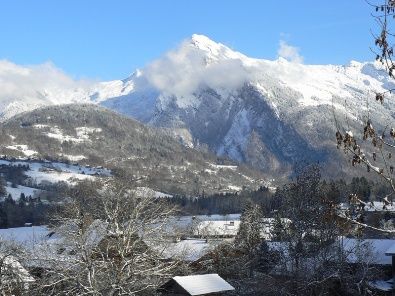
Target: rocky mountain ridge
pixel 268 114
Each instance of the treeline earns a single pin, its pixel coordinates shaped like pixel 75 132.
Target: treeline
pixel 15 174
pixel 15 211
pixel 228 203
pixel 25 210
pixel 223 204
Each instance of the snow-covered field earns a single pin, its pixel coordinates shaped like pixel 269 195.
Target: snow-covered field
pixel 73 157
pixel 220 166
pixel 22 148
pixel 83 133
pixel 16 192
pixel 54 172
pixel 27 236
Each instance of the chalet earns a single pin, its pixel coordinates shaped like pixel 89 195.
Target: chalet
pixel 188 250
pixel 372 251
pixel 386 287
pixel 220 228
pixel 13 274
pixel 230 228
pixel 205 284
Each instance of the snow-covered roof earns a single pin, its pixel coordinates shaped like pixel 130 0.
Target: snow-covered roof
pixel 374 206
pixel 390 251
pixel 203 284
pixel 218 228
pixel 385 286
pixel 186 250
pixel 378 249
pixel 13 263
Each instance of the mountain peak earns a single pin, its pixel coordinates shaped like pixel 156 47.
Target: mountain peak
pixel 215 50
pixel 200 37
pixel 205 44
pixel 202 40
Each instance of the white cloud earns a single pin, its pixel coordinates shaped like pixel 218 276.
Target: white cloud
pixel 181 71
pixel 25 87
pixel 36 81
pixel 289 52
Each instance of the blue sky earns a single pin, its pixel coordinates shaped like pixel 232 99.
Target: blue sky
pixel 109 39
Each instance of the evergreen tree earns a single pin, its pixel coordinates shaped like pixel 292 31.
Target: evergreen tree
pixel 249 238
pixel 3 191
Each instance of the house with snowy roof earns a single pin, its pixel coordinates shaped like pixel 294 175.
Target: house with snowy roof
pixel 377 252
pixel 13 275
pixel 204 284
pixel 229 228
pixel 372 251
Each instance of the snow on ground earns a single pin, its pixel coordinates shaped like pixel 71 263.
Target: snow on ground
pixel 319 83
pixel 234 188
pixel 56 171
pixel 82 132
pixel 16 192
pixel 55 177
pixel 22 148
pixel 220 166
pixel 27 236
pixel 145 191
pixel 57 133
pixel 161 194
pixel 216 167
pixel 73 157
pixel 40 126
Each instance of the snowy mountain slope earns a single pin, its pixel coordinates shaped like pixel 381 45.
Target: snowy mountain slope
pixel 269 114
pixel 99 137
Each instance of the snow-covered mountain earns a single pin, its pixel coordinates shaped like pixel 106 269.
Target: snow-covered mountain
pixel 269 114
pixel 100 138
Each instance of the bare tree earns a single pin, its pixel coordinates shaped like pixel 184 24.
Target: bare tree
pixel 373 150
pixel 310 258
pixel 103 252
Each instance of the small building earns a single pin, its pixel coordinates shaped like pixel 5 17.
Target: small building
pixel 205 284
pixel 13 274
pixel 218 228
pixel 377 252
pixel 386 287
pixel 371 251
